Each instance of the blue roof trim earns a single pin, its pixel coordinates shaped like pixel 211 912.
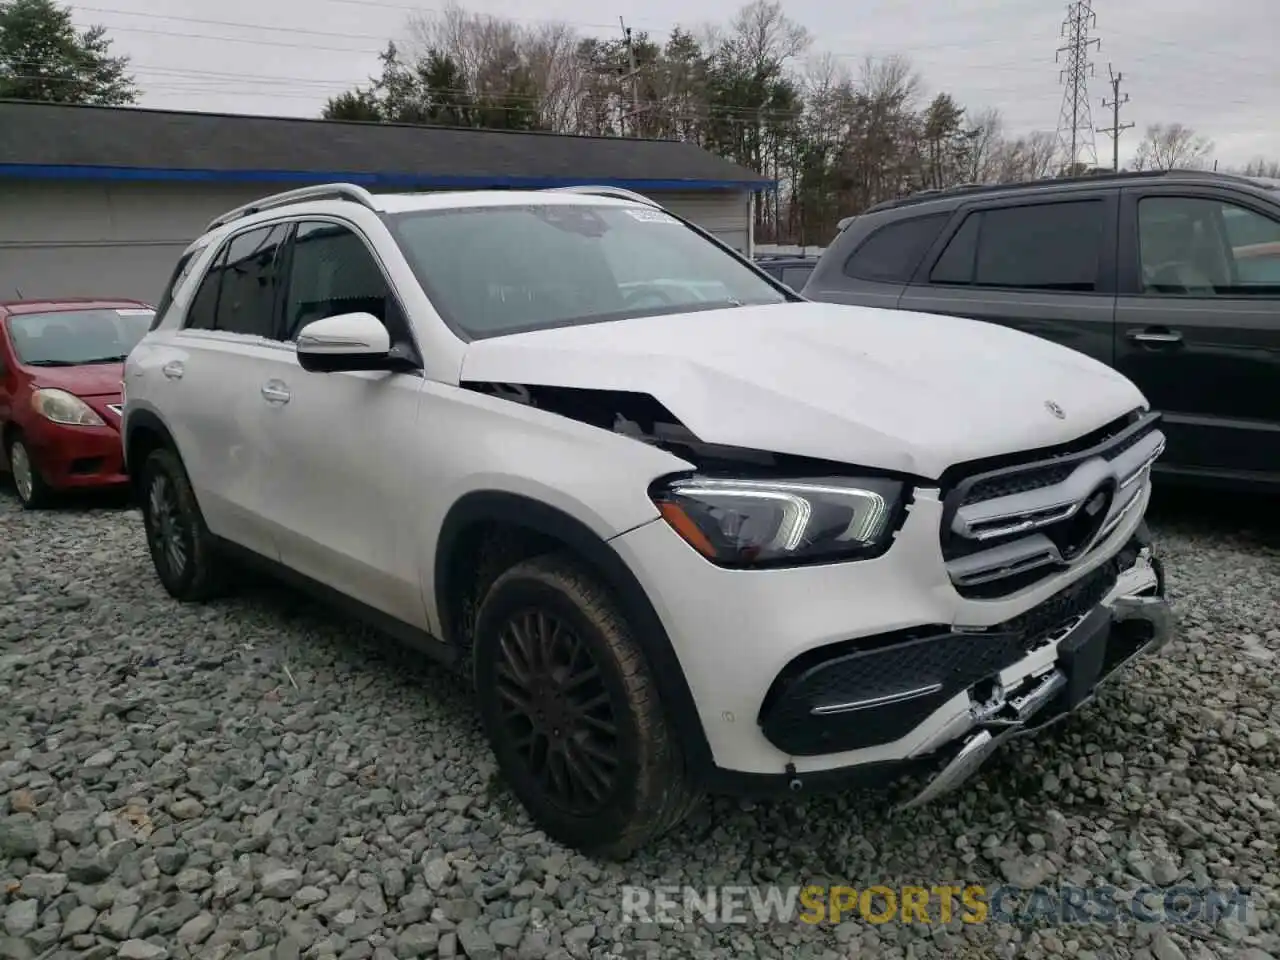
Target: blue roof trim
pixel 85 172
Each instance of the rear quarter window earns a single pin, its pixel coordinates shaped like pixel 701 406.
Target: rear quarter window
pixel 892 252
pixel 180 273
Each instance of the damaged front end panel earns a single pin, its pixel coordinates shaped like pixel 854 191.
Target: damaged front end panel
pixel 641 417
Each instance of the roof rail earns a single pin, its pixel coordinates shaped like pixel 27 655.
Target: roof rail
pixel 618 193
pixel 1095 176
pixel 323 191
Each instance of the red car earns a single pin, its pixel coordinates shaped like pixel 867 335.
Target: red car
pixel 61 366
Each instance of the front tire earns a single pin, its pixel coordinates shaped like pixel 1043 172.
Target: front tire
pixel 33 492
pixel 572 712
pixel 182 548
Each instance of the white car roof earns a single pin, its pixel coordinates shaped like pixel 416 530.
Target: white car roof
pixel 447 200
pixel 340 197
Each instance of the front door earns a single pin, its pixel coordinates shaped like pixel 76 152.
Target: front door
pixel 343 493
pixel 1198 325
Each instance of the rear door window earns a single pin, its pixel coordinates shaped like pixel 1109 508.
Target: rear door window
pixel 1049 246
pixel 250 282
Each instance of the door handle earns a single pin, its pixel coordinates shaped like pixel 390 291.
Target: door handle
pixel 174 369
pixel 1155 335
pixel 273 391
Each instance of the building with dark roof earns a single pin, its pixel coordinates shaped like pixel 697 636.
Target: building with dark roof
pixel 98 201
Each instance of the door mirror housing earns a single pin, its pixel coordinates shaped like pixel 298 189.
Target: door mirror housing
pixel 347 341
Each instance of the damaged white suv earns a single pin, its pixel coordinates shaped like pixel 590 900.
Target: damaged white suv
pixel 685 531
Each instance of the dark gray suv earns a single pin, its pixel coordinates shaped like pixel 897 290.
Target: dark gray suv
pixel 1173 278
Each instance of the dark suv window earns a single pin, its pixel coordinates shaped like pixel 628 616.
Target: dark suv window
pixel 1199 247
pixel 333 272
pixel 1050 246
pixel 892 253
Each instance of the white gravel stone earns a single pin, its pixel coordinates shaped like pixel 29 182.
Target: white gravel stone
pixel 163 779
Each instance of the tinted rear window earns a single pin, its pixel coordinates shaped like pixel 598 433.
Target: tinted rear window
pixel 1049 246
pixel 892 253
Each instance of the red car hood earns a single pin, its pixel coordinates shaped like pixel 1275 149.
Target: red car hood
pixel 91 380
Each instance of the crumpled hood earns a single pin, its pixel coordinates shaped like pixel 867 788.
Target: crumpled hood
pixel 890 389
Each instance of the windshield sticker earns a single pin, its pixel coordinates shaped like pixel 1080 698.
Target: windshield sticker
pixel 133 312
pixel 652 216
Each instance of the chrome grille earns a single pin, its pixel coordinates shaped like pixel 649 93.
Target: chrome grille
pixel 116 408
pixel 1008 527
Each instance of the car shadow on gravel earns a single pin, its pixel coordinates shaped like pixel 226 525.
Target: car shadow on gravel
pixel 1252 517
pixel 74 501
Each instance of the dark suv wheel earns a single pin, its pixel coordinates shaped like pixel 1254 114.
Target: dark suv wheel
pixel 572 712
pixel 183 551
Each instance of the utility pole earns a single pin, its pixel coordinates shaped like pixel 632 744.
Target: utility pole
pixel 1075 121
pixel 1115 103
pixel 633 74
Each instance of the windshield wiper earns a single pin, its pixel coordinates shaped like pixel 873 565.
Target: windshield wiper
pixel 52 363
pixel 120 359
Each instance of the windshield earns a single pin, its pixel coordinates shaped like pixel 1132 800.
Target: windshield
pixel 500 270
pixel 70 338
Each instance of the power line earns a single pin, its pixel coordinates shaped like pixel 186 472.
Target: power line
pixel 1116 127
pixel 1075 121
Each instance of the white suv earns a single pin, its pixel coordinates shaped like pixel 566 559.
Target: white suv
pixel 685 530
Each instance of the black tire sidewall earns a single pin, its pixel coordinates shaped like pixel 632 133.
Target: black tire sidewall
pixel 163 463
pixel 39 489
pixel 508 598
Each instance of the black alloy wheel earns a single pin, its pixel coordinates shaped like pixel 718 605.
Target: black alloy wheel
pixel 556 711
pixel 182 549
pixel 572 711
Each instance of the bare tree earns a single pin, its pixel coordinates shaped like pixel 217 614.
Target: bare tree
pixel 985 127
pixel 1261 167
pixel 1172 146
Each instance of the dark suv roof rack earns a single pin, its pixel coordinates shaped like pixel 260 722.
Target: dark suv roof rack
pixel 964 189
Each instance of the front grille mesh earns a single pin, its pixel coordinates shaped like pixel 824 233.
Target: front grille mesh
pixel 1040 469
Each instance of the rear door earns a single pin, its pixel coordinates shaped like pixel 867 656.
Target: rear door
pixel 211 379
pixel 1043 265
pixel 1198 324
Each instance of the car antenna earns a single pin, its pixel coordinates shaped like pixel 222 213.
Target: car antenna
pixel 19 293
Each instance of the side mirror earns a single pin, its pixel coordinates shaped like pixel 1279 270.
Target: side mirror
pixel 348 341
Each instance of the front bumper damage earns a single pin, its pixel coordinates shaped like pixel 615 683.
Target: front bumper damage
pixel 1133 619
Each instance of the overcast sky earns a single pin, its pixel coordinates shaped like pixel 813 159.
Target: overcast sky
pixel 1210 66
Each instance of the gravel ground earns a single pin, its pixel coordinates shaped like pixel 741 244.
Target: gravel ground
pixel 259 778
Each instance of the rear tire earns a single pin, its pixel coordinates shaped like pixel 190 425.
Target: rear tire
pixel 572 712
pixel 183 550
pixel 33 492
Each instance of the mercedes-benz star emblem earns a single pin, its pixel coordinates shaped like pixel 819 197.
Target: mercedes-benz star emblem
pixel 1056 410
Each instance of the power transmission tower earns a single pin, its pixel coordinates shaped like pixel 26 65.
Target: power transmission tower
pixel 1075 122
pixel 1115 103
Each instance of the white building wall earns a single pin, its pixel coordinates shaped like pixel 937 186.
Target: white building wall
pixel 122 239
pixel 723 213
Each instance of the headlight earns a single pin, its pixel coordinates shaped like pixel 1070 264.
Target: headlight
pixel 62 407
pixel 743 523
